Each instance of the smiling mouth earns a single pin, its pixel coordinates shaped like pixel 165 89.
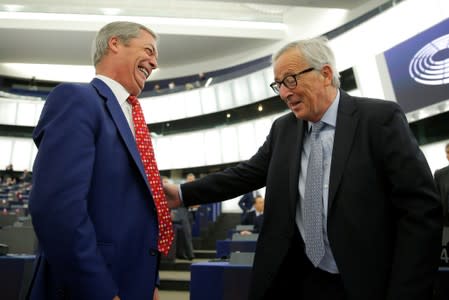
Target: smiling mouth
pixel 295 103
pixel 144 71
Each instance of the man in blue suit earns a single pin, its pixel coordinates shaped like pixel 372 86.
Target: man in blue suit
pixel 91 205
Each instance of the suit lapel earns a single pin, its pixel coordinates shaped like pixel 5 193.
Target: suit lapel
pixel 121 123
pixel 347 120
pixel 295 159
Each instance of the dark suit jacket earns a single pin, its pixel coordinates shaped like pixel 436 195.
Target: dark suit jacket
pixel 442 183
pixel 384 221
pixel 91 204
pixel 251 218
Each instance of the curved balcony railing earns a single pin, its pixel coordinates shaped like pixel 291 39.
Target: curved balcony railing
pixel 218 145
pixel 218 97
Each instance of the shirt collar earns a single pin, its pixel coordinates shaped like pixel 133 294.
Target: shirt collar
pixel 117 89
pixel 330 116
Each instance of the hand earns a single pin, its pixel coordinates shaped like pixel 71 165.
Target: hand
pixel 156 294
pixel 172 194
pixel 116 298
pixel 245 232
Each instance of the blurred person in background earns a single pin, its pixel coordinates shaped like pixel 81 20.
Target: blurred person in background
pixel 245 203
pixel 193 209
pixel 9 172
pixel 186 217
pixel 26 176
pixel 255 216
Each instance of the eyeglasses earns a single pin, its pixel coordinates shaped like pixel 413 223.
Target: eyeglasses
pixel 290 81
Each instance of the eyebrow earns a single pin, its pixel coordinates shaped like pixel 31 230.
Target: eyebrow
pixel 284 76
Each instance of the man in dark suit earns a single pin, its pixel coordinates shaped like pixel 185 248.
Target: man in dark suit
pixel 442 182
pixel 381 218
pixel 246 203
pixel 91 204
pixel 255 216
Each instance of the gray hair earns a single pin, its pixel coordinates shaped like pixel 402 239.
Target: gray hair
pixel 316 52
pixel 124 31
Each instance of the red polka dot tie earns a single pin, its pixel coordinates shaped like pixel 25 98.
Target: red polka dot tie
pixel 146 151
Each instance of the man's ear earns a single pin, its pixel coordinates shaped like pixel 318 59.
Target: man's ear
pixel 113 44
pixel 327 73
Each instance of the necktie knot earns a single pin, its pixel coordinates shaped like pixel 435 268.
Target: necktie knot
pixel 316 127
pixel 133 100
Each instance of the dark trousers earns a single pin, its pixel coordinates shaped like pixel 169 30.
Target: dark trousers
pixel 299 278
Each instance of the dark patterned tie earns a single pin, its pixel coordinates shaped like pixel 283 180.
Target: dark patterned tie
pixel 145 146
pixel 313 199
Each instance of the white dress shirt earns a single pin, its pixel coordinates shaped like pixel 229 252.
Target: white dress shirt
pixel 122 96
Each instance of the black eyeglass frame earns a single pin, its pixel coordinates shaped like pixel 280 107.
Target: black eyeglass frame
pixel 276 85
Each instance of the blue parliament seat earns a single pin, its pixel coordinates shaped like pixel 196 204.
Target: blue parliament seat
pixel 227 281
pixel 205 215
pixel 224 248
pixel 237 242
pixel 219 281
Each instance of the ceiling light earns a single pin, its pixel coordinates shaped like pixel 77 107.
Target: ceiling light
pixel 111 11
pixel 184 22
pixel 228 115
pixel 260 107
pixel 209 81
pixel 13 7
pixel 78 73
pixel 266 9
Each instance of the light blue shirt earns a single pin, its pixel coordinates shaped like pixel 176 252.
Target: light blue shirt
pixel 326 136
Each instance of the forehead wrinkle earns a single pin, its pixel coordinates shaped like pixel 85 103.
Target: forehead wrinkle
pixel 290 70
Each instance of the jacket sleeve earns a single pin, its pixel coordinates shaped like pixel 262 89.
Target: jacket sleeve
pixel 246 177
pixel 62 175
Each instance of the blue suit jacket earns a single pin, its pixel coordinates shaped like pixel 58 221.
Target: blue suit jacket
pixel 91 205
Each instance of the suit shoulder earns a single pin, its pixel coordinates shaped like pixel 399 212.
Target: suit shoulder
pixel 71 101
pixel 285 119
pixel 68 88
pixel 71 94
pixel 442 171
pixel 377 111
pixel 376 105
